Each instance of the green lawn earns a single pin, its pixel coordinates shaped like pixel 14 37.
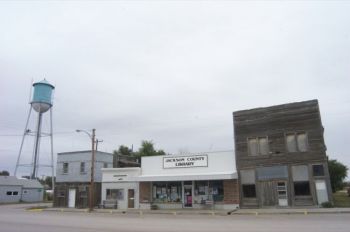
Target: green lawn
pixel 341 199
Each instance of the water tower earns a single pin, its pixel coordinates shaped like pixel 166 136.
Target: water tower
pixel 41 103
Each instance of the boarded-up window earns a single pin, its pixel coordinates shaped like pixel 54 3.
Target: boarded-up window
pixel 291 143
pixel 253 146
pixel 302 142
pixel 300 173
pixel 247 176
pixel 296 142
pixel 275 172
pixel 263 146
pixel 258 146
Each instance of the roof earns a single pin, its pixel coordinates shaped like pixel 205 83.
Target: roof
pixel 281 106
pixel 86 151
pixel 184 177
pixel 9 180
pixel 14 181
pixel 45 82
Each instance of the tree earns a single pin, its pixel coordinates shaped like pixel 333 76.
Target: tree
pixel 337 173
pixel 4 173
pixel 46 182
pixel 147 149
pixel 123 150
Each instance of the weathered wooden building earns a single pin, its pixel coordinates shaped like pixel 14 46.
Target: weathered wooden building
pixel 281 156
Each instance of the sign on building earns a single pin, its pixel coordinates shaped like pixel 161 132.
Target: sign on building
pixel 185 161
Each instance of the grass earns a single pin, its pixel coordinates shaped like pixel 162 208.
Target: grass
pixel 341 199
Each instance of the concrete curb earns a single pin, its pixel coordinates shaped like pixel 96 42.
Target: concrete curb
pixel 199 212
pixel 135 212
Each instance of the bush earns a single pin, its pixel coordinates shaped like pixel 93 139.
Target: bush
pixel 327 205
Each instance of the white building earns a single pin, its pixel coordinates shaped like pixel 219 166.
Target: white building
pixel 14 190
pixel 203 180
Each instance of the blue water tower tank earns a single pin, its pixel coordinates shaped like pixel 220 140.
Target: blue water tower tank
pixel 42 97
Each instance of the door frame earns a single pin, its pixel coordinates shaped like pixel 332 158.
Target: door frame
pixel 72 199
pixel 183 194
pixel 129 198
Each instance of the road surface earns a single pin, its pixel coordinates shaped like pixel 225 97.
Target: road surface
pixel 15 218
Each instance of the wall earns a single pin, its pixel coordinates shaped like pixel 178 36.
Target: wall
pixel 231 192
pixel 218 162
pixel 32 194
pixel 4 198
pixel 122 204
pixel 74 159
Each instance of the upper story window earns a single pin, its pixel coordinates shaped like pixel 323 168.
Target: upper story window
pixel 317 170
pixel 296 142
pixel 82 167
pixel 258 146
pixel 105 165
pixel 65 168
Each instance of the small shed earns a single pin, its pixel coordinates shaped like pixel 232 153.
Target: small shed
pixel 14 190
pixel 32 190
pixel 10 189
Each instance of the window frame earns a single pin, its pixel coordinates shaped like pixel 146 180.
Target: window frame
pixel 247 185
pixel 295 136
pixel 257 138
pixel 299 195
pixel 313 172
pixel 82 167
pixel 65 167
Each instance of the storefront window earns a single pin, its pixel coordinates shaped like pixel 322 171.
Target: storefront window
pixel 115 194
pixel 217 188
pixel 167 192
pixel 208 191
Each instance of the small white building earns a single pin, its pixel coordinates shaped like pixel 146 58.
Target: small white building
pixel 14 190
pixel 203 180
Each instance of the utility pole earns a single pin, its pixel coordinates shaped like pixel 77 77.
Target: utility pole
pixel 98 141
pixel 92 190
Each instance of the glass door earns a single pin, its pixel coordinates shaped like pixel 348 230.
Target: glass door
pixel 188 194
pixel 131 198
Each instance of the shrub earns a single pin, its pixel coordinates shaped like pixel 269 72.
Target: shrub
pixel 327 205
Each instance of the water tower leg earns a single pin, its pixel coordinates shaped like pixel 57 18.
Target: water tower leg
pixel 52 161
pixel 24 134
pixel 36 146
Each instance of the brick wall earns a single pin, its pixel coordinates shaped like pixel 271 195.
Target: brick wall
pixel 231 192
pixel 145 192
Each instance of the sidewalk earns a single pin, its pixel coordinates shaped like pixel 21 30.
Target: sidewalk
pixel 254 212
pixel 291 211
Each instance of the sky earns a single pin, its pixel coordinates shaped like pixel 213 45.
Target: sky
pixel 169 71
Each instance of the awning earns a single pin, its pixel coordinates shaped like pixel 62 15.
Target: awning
pixel 184 177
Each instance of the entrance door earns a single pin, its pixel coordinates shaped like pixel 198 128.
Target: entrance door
pixel 267 192
pixel 71 198
pixel 131 198
pixel 188 195
pixel 282 193
pixel 321 191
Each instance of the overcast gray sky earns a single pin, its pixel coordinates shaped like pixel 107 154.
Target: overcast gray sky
pixel 170 71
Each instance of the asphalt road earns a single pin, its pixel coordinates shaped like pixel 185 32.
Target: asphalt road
pixel 15 218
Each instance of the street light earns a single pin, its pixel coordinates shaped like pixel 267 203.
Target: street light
pixel 92 137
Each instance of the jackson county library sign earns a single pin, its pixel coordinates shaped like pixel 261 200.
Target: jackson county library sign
pixel 185 161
